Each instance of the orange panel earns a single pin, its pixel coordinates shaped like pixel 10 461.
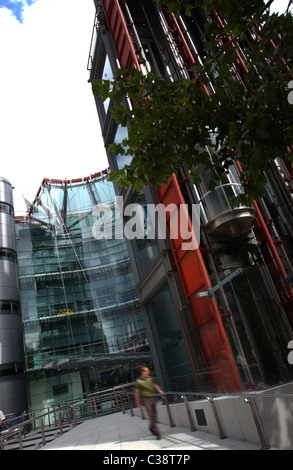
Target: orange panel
pixel 120 35
pixel 206 318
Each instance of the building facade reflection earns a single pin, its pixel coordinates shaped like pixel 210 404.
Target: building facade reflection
pixel 82 321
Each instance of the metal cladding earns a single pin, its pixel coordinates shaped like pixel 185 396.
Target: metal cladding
pixel 9 286
pixel 12 383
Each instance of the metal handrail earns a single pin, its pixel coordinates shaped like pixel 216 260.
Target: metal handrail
pixel 68 410
pixel 248 398
pixel 122 399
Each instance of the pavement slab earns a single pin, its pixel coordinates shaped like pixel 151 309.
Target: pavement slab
pixel 122 432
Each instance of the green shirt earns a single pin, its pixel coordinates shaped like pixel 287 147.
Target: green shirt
pixel 145 387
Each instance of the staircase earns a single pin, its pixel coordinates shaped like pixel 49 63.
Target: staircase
pixel 33 440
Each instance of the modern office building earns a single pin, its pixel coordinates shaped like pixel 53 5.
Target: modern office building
pixel 82 322
pixel 236 337
pixel 82 306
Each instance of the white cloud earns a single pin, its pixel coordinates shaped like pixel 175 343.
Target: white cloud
pixel 48 119
pixel 279 6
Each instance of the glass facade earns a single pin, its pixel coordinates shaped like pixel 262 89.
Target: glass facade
pixel 121 160
pixel 107 75
pixel 145 249
pixel 222 320
pixel 171 347
pixel 258 331
pixel 82 321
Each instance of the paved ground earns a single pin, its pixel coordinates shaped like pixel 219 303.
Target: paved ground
pixel 122 432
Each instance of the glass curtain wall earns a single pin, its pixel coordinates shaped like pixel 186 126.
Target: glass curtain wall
pixel 171 348
pixel 83 325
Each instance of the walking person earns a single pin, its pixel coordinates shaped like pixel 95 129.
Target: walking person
pixel 145 389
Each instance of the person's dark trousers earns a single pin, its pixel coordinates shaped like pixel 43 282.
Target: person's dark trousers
pixel 150 405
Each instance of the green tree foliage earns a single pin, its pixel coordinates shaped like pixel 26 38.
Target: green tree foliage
pixel 175 123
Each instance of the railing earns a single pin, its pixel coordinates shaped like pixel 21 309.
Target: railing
pixel 94 405
pixel 248 398
pixel 122 399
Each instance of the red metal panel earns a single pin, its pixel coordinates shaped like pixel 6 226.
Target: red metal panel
pixel 178 37
pixel 181 43
pixel 206 318
pixel 239 62
pixel 120 35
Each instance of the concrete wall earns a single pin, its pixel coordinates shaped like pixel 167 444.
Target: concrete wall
pixel 236 419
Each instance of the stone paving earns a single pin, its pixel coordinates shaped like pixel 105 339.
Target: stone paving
pixel 122 432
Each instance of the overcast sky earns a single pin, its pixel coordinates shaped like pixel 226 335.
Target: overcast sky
pixel 49 126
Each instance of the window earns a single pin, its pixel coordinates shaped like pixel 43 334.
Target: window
pixel 145 249
pixel 6 209
pixel 7 254
pixel 122 160
pixel 107 75
pixel 7 307
pixel 170 344
pixel 11 369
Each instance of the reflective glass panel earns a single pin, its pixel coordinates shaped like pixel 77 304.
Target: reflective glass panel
pixel 107 75
pixel 83 323
pixel 122 160
pixel 170 344
pixel 146 248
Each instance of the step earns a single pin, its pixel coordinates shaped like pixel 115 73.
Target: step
pixel 33 440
